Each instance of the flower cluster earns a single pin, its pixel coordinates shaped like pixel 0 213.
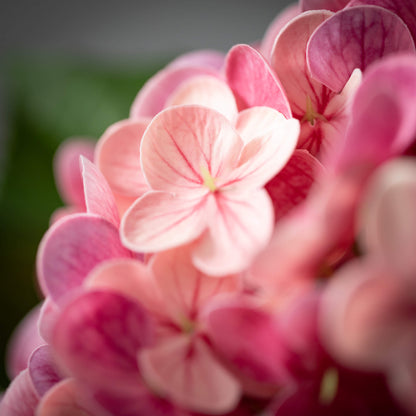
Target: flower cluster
pixel 244 243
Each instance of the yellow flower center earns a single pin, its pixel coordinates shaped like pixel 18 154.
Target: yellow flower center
pixel 329 386
pixel 209 181
pixel 311 114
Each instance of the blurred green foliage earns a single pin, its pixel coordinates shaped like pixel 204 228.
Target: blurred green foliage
pixel 47 102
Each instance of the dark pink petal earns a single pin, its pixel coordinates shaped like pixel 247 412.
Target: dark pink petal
pixel 292 184
pixel 204 58
pixel 159 221
pixel 72 248
pixel 118 157
pixel 152 98
pixel 63 400
pixel 241 228
pixel 97 339
pixel 182 144
pixel 99 199
pixel 20 398
pixel 185 369
pixel 184 289
pixel 354 38
pixel 208 91
pixel 383 122
pixel 253 82
pixel 249 339
pixel 405 9
pixel 333 5
pixel 24 340
pixel 67 172
pixel 43 370
pixel 280 21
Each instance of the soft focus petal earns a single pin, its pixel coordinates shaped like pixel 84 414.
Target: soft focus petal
pixel 253 82
pixel 207 91
pixel 98 336
pixel 24 340
pixel 354 38
pixel 117 155
pixel 242 227
pixel 186 370
pixel 160 220
pixel 20 398
pixel 333 5
pixel 182 143
pixel 47 318
pixel 203 58
pixel 67 171
pixel 99 199
pixel 72 248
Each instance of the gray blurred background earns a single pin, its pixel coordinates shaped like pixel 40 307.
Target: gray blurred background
pixel 71 68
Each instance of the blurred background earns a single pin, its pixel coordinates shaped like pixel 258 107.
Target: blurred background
pixel 70 69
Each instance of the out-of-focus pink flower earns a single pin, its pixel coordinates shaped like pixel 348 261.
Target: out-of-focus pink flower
pixel 206 179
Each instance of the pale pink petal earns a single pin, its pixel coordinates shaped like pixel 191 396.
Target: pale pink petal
pixel 63 400
pixel 187 371
pixel 289 62
pixel 98 336
pixel 43 370
pixel 99 199
pixel 182 143
pixel 49 313
pixel 67 171
pixel 253 82
pixel 152 98
pixel 333 5
pixel 354 38
pixel 208 91
pixel 184 289
pixel 159 221
pixel 71 248
pixel 242 227
pixel 117 155
pixel 270 140
pixel 204 58
pixel 388 216
pixel 130 278
pixel 124 203
pixel 20 399
pixel 280 21
pixel 292 184
pixel 249 339
pixel 24 340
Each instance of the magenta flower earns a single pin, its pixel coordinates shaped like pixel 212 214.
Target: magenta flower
pixel 206 179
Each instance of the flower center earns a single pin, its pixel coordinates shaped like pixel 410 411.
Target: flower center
pixel 311 114
pixel 209 181
pixel 329 386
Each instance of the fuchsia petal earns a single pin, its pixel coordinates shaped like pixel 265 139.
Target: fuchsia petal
pixel 159 221
pixel 184 289
pixel 152 98
pixel 405 9
pixel 67 172
pixel 23 341
pixel 130 278
pixel 99 199
pixel 184 142
pixel 383 111
pixel 71 248
pixel 292 184
pixel 280 21
pixel 63 400
pixel 204 58
pixel 42 370
pixel 289 62
pixel 249 339
pixel 388 217
pixel 186 370
pixel 242 227
pixel 118 157
pixel 253 82
pixel 20 398
pixel 207 91
pixel 332 5
pixel 354 38
pixel 270 140
pixel 98 336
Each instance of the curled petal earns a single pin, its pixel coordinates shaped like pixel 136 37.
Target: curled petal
pixel 72 248
pixel 354 38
